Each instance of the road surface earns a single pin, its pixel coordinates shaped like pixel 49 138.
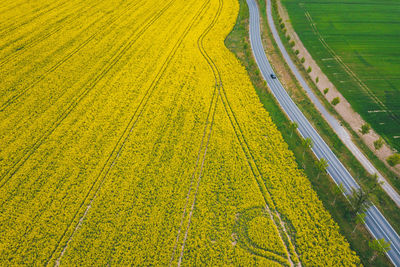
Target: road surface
pixel 375 221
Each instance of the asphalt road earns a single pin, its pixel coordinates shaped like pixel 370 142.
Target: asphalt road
pixel 375 221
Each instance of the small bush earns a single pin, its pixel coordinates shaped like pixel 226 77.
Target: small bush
pixel 393 160
pixel 326 90
pixel 282 25
pixel 335 101
pixel 296 52
pixel 317 80
pixel 292 43
pixel 246 45
pixel 365 128
pixel 378 143
pixel 284 30
pixel 280 19
pixel 288 37
pixel 309 69
pixel 302 60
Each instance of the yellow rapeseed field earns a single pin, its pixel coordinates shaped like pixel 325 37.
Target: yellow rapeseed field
pixel 129 134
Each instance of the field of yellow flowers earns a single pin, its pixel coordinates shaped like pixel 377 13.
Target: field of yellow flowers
pixel 129 134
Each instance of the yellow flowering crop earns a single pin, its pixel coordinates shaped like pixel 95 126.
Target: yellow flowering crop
pixel 129 134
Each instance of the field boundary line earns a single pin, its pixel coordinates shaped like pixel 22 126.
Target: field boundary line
pixel 116 57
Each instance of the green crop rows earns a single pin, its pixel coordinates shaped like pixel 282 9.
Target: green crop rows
pixel 357 44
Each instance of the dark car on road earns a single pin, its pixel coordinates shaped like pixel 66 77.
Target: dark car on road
pixel 273 76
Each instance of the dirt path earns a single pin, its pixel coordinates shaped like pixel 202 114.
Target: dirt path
pixel 344 108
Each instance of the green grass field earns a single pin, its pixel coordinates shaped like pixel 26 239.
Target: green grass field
pixel 357 44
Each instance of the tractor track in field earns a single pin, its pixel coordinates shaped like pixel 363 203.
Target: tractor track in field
pixel 253 167
pixel 13 27
pixel 42 35
pixel 8 8
pixel 243 238
pixel 216 90
pixel 238 132
pixel 165 130
pixel 237 129
pixel 116 57
pixel 109 23
pixel 12 194
pixel 212 108
pixel 255 170
pixel 112 158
